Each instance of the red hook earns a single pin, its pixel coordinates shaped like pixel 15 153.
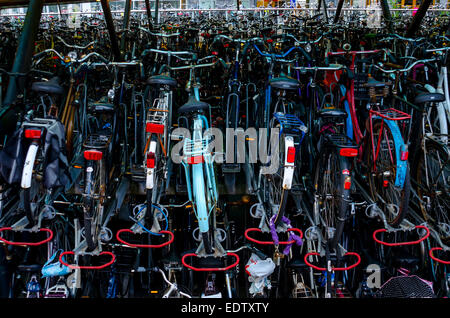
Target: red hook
pixel 435 258
pixel 113 258
pixel 271 242
pixel 49 238
pixel 334 268
pixel 144 245
pixel 401 243
pixel 216 269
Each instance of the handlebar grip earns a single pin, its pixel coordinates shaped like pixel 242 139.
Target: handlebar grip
pixel 39 55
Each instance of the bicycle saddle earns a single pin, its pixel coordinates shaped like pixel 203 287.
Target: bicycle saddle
pixel 429 98
pixel 162 80
pixel 50 87
pixel 101 107
pixel 332 112
pixel 284 83
pixel 371 82
pixel 193 105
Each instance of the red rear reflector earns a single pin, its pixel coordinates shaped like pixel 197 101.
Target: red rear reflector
pixel 348 152
pixel 154 128
pixel 290 158
pixel 226 45
pixel 151 160
pixel 93 155
pixel 195 159
pixel 347 183
pixel 214 53
pixel 33 133
pixel 404 155
pixel 269 41
pixel 385 183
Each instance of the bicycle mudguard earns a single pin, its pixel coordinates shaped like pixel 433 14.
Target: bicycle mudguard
pixel 333 268
pixel 144 245
pixel 434 258
pixel 49 238
pixel 199 192
pixel 271 242
pixel 374 235
pixel 402 165
pixel 113 259
pixel 214 269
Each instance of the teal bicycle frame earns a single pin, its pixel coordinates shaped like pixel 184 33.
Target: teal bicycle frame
pixel 204 200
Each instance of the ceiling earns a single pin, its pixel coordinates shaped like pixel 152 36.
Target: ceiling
pixel 24 3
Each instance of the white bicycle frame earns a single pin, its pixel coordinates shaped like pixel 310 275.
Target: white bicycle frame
pixel 443 108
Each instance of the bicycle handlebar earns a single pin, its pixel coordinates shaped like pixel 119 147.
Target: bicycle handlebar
pixel 404 69
pixel 75 46
pixel 59 55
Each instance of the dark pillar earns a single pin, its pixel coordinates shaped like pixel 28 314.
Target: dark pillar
pixel 386 14
pixel 112 32
pixel 417 19
pixel 149 14
pixel 156 11
pixel 126 23
pixel 338 11
pixel 25 51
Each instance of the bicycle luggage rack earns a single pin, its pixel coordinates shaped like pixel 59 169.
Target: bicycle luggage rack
pixel 332 268
pixel 341 141
pixel 291 124
pixel 210 269
pixel 389 114
pixel 271 242
pixel 96 141
pixel 155 121
pixel 144 245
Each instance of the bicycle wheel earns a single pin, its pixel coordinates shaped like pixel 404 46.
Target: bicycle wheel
pixel 274 195
pixel 393 200
pixel 330 176
pixel 432 175
pixel 92 207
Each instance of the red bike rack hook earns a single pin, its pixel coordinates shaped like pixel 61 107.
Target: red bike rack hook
pixel 144 245
pixel 402 243
pixel 49 238
pixel 113 258
pixel 215 269
pixel 271 242
pixel 334 268
pixel 435 258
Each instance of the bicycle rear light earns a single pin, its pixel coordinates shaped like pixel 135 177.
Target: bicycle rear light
pixel 348 152
pixel 290 158
pixel 93 155
pixel 154 128
pixel 347 183
pixel 33 133
pixel 151 158
pixel 195 159
pixel 404 153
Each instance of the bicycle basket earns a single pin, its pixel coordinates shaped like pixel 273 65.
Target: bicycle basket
pixel 405 287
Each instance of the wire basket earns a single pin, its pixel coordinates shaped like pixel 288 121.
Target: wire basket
pixel 406 287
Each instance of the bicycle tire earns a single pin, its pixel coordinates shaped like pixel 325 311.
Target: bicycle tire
pixel 375 189
pixel 431 213
pixel 332 162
